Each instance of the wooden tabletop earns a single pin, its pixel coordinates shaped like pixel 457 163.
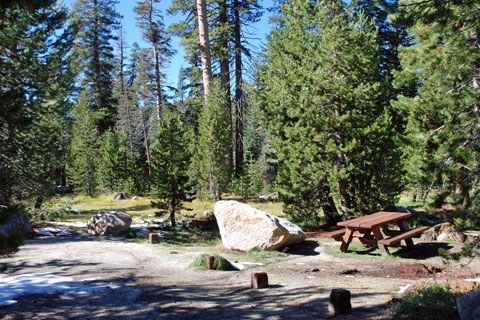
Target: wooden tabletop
pixel 374 220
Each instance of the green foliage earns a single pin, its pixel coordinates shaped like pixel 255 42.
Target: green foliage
pixel 210 161
pixel 220 263
pixel 82 160
pixel 116 169
pixel 442 117
pixel 250 181
pixel 47 213
pixel 10 244
pixel 35 85
pixel 200 262
pixel 335 143
pixel 7 212
pixel 436 302
pixel 94 22
pixel 469 251
pixel 170 164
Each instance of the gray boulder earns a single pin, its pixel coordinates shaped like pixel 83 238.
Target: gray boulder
pixel 245 228
pixel 469 306
pixel 17 221
pixel 109 222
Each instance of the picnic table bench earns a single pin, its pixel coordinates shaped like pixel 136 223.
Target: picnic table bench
pixel 374 229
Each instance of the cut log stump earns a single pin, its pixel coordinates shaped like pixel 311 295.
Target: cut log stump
pixel 259 280
pixel 153 238
pixel 339 302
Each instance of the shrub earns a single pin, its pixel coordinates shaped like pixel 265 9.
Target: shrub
pixel 435 302
pixel 220 263
pixel 10 244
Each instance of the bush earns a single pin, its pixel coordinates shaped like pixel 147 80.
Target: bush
pixel 8 212
pixel 436 302
pixel 10 244
pixel 220 263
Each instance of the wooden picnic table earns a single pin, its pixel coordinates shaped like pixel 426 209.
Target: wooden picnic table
pixel 374 229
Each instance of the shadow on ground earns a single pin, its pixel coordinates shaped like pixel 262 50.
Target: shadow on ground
pixel 131 301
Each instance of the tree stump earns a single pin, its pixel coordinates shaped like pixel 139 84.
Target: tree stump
pixel 153 238
pixel 339 302
pixel 210 262
pixel 259 280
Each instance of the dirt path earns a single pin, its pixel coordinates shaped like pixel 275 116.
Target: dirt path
pixel 156 282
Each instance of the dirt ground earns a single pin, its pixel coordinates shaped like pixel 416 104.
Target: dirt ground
pixel 156 281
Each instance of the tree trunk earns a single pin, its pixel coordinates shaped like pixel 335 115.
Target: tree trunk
pixel 238 92
pixel 342 183
pixel 96 59
pixel 205 45
pixel 225 79
pixel 147 148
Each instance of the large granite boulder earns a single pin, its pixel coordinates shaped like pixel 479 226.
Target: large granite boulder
pixel 109 222
pixel 469 306
pixel 245 228
pixel 16 221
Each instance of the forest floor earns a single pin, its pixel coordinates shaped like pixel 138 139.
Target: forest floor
pixel 145 281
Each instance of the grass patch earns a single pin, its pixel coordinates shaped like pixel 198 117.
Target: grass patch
pixel 220 263
pixel 358 251
pixel 436 302
pixel 192 238
pixel 266 254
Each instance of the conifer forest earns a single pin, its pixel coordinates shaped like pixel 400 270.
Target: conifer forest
pixel 345 107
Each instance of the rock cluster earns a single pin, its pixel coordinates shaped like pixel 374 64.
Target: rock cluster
pixel 245 228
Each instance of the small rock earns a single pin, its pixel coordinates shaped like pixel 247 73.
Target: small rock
pixel 63 234
pixel 42 233
pixel 143 233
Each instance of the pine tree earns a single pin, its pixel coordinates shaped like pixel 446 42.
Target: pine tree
pixel 443 117
pixel 95 21
pixel 150 20
pixel 116 169
pixel 335 144
pixel 170 163
pixel 210 165
pixel 36 83
pixel 83 157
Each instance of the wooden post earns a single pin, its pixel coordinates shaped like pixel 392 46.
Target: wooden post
pixel 259 280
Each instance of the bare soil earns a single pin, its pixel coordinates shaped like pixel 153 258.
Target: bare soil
pixel 156 281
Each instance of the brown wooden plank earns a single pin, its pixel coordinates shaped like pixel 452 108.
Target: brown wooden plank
pixel 334 234
pixel 347 238
pixel 375 219
pixel 405 235
pixel 387 218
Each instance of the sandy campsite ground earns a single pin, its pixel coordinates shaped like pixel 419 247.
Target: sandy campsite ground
pixel 137 280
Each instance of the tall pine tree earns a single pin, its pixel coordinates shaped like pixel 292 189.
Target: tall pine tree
pixel 170 163
pixel 444 116
pixel 334 142
pixel 35 87
pixel 93 53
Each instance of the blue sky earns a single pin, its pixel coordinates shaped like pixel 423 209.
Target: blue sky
pixel 133 34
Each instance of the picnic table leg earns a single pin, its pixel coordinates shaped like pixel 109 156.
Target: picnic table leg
pixel 347 238
pixel 403 228
pixel 378 236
